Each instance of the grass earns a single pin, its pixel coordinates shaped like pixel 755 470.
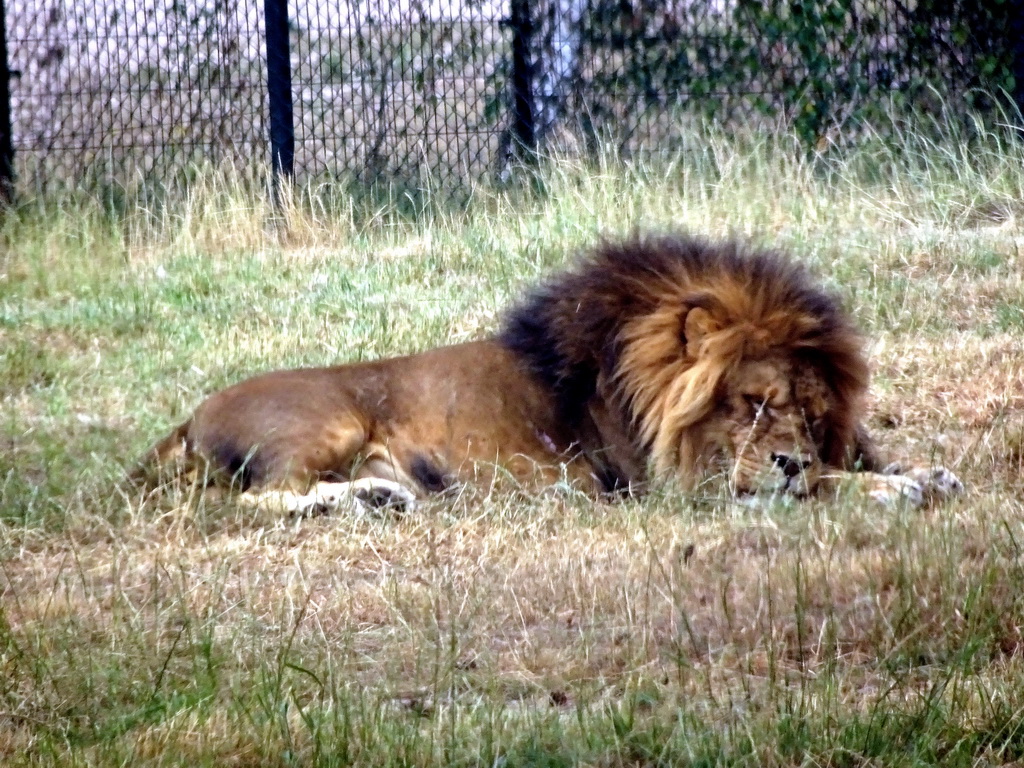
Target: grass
pixel 509 630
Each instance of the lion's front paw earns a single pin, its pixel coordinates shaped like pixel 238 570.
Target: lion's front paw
pixel 915 486
pixel 937 483
pixel 891 490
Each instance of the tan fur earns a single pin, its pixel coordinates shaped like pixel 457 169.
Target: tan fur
pixel 461 409
pixel 669 352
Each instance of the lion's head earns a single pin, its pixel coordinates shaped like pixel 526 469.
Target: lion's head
pixel 767 418
pixel 711 356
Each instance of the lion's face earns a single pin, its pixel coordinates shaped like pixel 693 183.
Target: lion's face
pixel 770 421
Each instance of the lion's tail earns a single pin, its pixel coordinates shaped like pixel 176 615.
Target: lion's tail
pixel 170 458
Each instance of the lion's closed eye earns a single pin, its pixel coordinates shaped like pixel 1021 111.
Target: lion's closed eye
pixel 756 403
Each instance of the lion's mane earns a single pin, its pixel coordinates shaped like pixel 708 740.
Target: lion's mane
pixel 617 322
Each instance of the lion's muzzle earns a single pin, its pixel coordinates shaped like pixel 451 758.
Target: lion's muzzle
pixel 777 471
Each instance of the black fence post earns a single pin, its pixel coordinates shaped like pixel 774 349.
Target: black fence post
pixel 1015 36
pixel 6 141
pixel 279 90
pixel 524 135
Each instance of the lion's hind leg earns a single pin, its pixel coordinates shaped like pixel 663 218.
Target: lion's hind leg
pixel 363 496
pixel 338 470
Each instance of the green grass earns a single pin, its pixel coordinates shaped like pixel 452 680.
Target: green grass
pixel 508 630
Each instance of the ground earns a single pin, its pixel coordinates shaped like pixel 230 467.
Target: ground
pixel 509 629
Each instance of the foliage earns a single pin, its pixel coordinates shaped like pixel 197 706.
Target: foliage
pixel 818 65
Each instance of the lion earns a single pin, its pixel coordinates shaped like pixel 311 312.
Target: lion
pixel 657 355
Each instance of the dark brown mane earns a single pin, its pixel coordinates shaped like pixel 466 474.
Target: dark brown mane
pixel 618 317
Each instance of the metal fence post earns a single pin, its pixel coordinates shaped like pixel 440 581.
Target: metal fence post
pixel 1015 37
pixel 279 90
pixel 6 141
pixel 524 137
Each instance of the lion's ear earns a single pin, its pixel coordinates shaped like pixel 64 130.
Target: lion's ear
pixel 698 325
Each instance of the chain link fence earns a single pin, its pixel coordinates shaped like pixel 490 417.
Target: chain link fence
pixel 443 93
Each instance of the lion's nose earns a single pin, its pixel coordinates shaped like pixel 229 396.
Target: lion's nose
pixel 790 466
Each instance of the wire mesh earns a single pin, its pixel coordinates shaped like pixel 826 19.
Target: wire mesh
pixel 403 91
pixel 430 92
pixel 117 91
